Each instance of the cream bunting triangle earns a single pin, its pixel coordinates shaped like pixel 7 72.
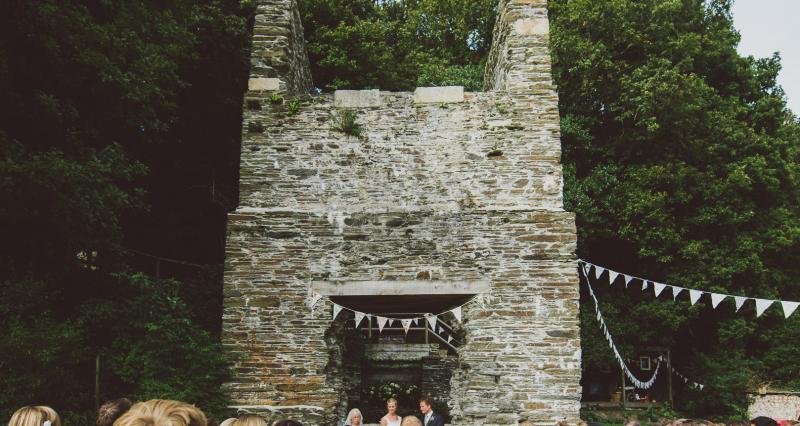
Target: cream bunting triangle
pixel 739 302
pixel 612 275
pixel 336 310
pixel 676 291
pixel 598 271
pixel 762 305
pixel 381 323
pixel 645 285
pixel 406 324
pixel 449 339
pixel 457 313
pixel 359 317
pixel 628 280
pixel 658 288
pixel 716 298
pixel 694 296
pixel 788 308
pixel 431 320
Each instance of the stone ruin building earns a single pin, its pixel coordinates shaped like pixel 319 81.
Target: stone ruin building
pixel 438 197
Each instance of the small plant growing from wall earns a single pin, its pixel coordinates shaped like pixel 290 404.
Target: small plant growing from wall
pixel 276 99
pixel 293 106
pixel 345 122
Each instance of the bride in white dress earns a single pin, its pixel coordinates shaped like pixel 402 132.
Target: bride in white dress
pixel 391 418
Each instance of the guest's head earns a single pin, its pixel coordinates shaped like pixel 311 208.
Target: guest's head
pixel 34 416
pixel 228 422
pixel 249 420
pixel 410 421
pixel 391 406
pixel 109 412
pixel 425 405
pixel 162 412
pixel 763 421
pixel 354 417
pixel 287 422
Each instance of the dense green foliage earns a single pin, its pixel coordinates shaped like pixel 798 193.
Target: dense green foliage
pixel 681 161
pixel 397 45
pixel 119 128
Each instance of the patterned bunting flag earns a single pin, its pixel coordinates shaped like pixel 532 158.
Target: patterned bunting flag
pixel 431 320
pixel 359 317
pixel 381 323
pixel 406 324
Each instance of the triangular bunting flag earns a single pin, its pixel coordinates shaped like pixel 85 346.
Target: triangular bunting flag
pixel 739 302
pixel 762 305
pixel 406 324
pixel 675 292
pixel 457 313
pixel 336 310
pixel 628 280
pixel 449 339
pixel 598 271
pixel 716 298
pixel 586 269
pixel 314 298
pixel 612 276
pixel 694 296
pixel 700 386
pixel 658 288
pixel 414 321
pixel 359 317
pixel 645 285
pixel 788 308
pixel 432 321
pixel 381 323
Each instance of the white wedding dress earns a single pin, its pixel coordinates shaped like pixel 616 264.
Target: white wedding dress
pixel 393 423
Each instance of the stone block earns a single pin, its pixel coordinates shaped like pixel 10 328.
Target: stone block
pixel 435 95
pixel 532 26
pixel 260 84
pixel 356 98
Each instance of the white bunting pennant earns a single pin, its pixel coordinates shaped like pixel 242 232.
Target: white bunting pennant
pixel 359 317
pixel 457 313
pixel 658 288
pixel 381 323
pixel 314 299
pixel 432 321
pixel 716 298
pixel 449 339
pixel 336 310
pixel 762 305
pixel 406 324
pixel 739 302
pixel 645 285
pixel 675 292
pixel 612 276
pixel 414 321
pixel 598 271
pixel 789 308
pixel 694 296
pixel 628 280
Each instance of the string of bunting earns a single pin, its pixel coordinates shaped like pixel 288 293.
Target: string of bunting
pixel 686 379
pixel 636 382
pixel 694 295
pixel 383 321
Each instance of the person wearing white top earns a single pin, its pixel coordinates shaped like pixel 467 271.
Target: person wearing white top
pixel 391 418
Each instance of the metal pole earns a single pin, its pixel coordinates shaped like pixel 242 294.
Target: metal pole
pixel 624 393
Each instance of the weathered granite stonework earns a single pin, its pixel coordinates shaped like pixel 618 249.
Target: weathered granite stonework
pixel 466 188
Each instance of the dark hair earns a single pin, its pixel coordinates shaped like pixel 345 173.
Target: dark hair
pixel 109 412
pixel 288 422
pixel 427 400
pixel 763 421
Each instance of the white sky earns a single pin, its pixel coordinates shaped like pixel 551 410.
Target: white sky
pixel 767 26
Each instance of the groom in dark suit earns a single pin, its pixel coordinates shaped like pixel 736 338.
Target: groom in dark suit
pixel 428 417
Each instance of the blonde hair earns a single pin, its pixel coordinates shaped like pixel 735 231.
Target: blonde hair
pixel 34 416
pixel 162 412
pixel 228 422
pixel 249 420
pixel 410 421
pixel 390 400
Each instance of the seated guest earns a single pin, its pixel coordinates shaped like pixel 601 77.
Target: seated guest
pixel 249 420
pixel 288 422
pixel 162 412
pixel 411 421
pixel 354 418
pixel 35 416
pixel 109 412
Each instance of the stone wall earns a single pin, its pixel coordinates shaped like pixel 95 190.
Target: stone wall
pixel 779 406
pixel 439 184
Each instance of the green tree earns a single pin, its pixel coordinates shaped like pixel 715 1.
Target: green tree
pixel 681 162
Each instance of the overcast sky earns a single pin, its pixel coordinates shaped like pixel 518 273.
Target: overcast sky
pixel 769 26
